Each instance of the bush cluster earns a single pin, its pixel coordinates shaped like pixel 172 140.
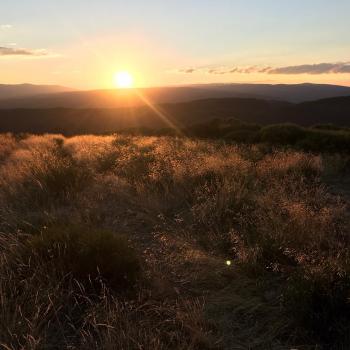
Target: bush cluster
pixel 90 256
pixel 319 138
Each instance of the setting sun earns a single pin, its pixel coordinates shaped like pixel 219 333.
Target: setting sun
pixel 123 80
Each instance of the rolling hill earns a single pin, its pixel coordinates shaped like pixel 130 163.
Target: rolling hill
pixel 14 91
pixel 79 121
pixel 139 97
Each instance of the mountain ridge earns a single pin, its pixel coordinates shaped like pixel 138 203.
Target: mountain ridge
pixel 96 121
pixel 9 91
pixel 117 98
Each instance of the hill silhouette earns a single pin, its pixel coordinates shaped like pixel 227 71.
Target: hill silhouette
pixel 79 121
pixel 14 91
pixel 137 97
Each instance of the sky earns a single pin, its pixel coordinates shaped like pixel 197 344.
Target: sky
pixel 83 43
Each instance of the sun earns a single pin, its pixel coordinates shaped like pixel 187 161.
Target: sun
pixel 123 80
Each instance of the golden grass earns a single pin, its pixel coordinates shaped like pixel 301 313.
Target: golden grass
pixel 186 206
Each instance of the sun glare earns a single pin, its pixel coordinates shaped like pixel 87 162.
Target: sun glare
pixel 123 80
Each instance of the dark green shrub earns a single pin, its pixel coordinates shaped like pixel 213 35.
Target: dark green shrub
pixel 329 127
pixel 242 136
pixel 325 141
pixel 282 134
pixel 230 129
pixel 87 254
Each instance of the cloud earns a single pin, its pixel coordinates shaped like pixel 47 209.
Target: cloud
pixel 265 70
pixel 10 51
pixel 6 26
pixel 216 71
pixel 188 70
pixel 240 70
pixel 318 68
pixel 344 69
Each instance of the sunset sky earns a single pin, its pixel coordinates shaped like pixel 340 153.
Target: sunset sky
pixel 82 44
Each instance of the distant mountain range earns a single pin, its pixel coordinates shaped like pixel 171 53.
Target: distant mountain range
pixel 107 111
pixel 31 96
pixel 28 90
pixel 80 121
pixel 285 92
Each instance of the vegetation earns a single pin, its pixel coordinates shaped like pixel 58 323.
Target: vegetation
pixel 319 138
pixel 89 255
pixel 106 112
pixel 134 242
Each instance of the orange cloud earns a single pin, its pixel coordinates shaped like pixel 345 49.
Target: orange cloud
pixel 314 69
pixel 10 51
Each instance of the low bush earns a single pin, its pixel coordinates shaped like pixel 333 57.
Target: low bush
pixel 230 129
pixel 282 134
pixel 330 127
pixel 87 254
pixel 242 136
pixel 325 141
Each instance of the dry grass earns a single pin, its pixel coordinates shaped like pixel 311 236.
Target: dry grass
pixel 186 206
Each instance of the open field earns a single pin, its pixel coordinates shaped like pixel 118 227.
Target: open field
pixel 121 242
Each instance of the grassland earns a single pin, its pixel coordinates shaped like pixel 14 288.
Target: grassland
pixel 121 242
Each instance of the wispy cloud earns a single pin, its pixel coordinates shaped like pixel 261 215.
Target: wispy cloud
pixel 188 70
pixel 318 68
pixel 6 26
pixel 225 70
pixel 10 51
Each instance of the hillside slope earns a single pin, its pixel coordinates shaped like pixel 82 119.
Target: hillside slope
pixel 138 97
pixel 78 121
pixel 14 91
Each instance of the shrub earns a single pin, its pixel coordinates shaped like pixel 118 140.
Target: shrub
pixel 329 127
pixel 230 129
pixel 326 141
pixel 242 135
pixel 87 254
pixel 282 134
